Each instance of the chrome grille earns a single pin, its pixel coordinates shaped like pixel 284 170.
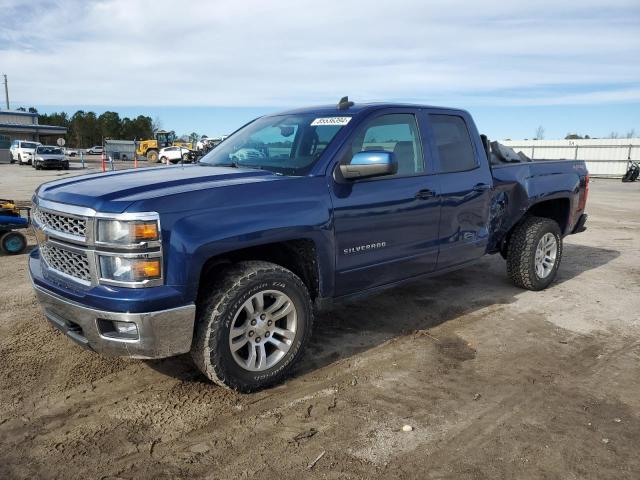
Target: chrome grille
pixel 70 263
pixel 61 223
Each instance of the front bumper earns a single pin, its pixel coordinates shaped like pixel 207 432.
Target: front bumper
pixel 161 334
pixel 52 163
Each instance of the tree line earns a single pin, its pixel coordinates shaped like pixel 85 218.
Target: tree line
pixel 85 129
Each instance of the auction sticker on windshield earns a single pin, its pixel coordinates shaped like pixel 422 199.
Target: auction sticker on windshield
pixel 330 121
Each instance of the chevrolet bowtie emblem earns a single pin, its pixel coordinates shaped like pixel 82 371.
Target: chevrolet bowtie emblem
pixel 41 236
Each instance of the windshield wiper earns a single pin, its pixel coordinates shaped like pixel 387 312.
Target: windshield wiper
pixel 233 164
pixel 236 164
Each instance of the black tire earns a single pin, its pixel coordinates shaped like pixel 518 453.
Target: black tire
pixel 37 166
pixel 228 292
pixel 13 243
pixel 152 155
pixel 522 251
pixel 19 159
pixel 185 157
pixel 164 160
pixel 65 166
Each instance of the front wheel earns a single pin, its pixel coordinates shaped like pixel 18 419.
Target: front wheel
pixel 253 324
pixel 534 253
pixel 185 157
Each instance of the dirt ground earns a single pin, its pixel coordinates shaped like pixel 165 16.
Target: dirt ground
pixel 497 383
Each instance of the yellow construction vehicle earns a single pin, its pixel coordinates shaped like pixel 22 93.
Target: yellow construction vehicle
pixel 150 148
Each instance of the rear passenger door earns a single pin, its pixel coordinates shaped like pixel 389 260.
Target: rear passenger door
pixel 466 185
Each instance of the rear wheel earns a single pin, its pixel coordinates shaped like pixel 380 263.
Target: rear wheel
pixel 164 160
pixel 252 326
pixel 534 253
pixel 185 157
pixel 13 243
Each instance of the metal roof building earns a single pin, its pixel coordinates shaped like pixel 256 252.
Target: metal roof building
pixel 19 125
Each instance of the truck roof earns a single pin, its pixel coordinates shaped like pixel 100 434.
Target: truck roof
pixel 359 107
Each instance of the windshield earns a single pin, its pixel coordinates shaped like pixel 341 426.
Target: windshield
pixel 285 144
pixel 49 150
pixel 28 145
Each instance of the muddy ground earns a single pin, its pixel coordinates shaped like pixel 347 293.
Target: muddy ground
pixel 496 382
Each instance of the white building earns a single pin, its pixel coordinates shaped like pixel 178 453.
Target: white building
pixel 605 157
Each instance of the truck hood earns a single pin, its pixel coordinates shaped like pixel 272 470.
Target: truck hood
pixel 113 192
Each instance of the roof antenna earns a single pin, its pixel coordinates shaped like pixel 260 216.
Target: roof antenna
pixel 344 103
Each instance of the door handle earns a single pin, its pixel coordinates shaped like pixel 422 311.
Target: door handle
pixel 425 194
pixel 481 187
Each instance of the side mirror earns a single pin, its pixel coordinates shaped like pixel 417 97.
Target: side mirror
pixel 369 163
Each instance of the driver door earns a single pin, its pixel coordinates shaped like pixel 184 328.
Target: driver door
pixel 386 228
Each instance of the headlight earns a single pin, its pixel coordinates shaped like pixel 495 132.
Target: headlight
pixel 124 269
pixel 40 158
pixel 128 232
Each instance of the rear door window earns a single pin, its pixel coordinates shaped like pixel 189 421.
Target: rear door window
pixel 453 143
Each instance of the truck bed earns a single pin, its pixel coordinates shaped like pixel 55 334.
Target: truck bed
pixel 518 186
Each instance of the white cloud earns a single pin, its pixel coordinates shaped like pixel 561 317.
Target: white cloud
pixel 283 52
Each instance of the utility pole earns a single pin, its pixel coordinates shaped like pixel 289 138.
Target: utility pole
pixel 6 90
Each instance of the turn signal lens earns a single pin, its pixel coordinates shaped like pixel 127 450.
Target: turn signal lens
pixel 146 269
pixel 145 231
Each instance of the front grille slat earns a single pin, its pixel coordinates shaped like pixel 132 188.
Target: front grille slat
pixel 70 263
pixel 61 223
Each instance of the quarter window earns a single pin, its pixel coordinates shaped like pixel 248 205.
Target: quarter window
pixel 395 133
pixel 453 143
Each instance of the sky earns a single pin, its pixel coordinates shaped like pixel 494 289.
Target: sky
pixel 210 66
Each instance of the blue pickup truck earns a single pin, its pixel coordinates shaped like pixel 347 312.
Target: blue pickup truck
pixel 229 258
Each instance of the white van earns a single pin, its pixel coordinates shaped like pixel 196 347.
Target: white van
pixel 22 151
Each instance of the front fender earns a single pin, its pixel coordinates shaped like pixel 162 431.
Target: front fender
pixel 249 216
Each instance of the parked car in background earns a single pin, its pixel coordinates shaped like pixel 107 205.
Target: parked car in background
pixel 22 151
pixel 96 150
pixel 70 152
pixel 174 154
pixel 47 156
